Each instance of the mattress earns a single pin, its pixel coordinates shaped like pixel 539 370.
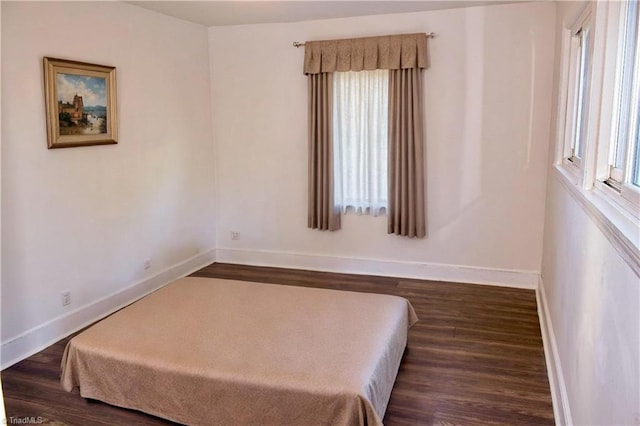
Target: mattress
pixel 206 351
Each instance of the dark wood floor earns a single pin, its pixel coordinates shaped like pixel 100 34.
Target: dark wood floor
pixel 474 358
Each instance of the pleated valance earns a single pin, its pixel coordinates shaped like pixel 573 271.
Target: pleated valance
pixel 368 53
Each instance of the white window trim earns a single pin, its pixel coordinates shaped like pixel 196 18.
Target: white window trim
pixel 604 171
pixel 596 111
pixel 563 134
pixel 628 205
pixel 630 192
pixel 582 111
pixel 574 167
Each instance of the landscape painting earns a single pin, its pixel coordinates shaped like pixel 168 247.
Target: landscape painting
pixel 81 103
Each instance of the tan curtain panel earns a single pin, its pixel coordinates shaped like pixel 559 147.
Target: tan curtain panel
pixel 406 215
pixel 322 213
pixel 369 53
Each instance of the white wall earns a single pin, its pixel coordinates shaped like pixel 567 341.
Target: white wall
pixel 487 93
pixel 592 304
pixel 592 298
pixel 85 219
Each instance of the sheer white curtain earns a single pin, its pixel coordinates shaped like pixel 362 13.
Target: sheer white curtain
pixel 360 120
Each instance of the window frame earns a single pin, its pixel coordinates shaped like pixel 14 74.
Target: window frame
pixel 615 174
pixel 611 182
pixel 616 211
pixel 577 100
pixel 605 22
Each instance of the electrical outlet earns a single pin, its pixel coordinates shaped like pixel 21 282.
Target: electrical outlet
pixel 235 235
pixel 66 298
pixel 147 264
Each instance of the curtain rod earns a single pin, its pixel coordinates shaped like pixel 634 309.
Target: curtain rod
pixel 298 44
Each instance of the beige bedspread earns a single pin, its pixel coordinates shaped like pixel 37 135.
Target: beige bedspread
pixel 206 351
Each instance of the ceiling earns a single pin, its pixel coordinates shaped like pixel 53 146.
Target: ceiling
pixel 214 13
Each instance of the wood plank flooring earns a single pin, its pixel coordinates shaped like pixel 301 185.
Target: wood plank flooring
pixel 474 358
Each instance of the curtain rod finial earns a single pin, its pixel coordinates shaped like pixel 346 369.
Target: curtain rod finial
pixel 297 44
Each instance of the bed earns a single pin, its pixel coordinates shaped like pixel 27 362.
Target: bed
pixel 204 351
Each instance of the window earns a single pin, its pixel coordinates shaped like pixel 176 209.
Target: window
pixel 366 127
pixel 599 127
pixel 624 150
pixel 360 123
pixel 580 53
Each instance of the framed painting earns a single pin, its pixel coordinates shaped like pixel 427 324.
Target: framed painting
pixel 80 103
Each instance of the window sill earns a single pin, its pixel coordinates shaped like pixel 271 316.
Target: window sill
pixel 621 229
pixel 570 171
pixel 612 194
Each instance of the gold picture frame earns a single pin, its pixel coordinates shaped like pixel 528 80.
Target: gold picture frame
pixel 80 103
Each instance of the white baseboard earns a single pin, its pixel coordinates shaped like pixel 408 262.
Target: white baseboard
pixel 392 268
pixel 37 338
pixel 559 396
